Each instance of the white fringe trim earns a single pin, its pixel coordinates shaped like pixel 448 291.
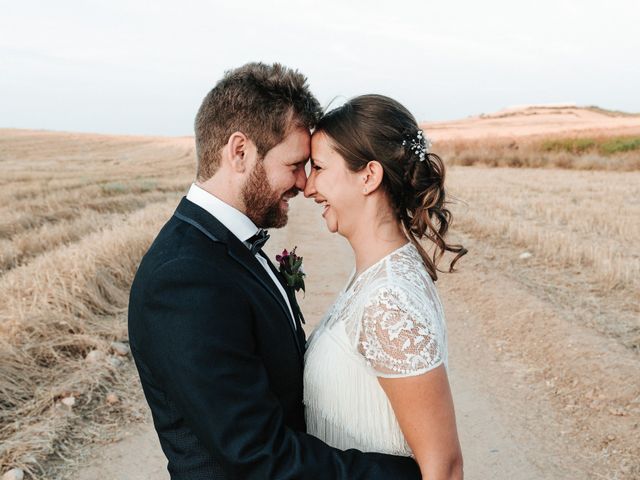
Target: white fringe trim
pixel 345 405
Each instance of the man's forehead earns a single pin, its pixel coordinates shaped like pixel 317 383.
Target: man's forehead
pixel 303 142
pixel 298 135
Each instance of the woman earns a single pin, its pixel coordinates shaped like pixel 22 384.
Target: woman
pixel 375 368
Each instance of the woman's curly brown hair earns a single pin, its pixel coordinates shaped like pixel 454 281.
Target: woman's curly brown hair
pixel 374 127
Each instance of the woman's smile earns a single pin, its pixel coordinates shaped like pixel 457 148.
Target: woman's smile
pixel 325 208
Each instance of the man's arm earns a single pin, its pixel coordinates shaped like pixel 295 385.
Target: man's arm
pixel 201 347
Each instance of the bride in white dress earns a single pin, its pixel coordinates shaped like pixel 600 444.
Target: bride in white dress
pixel 376 366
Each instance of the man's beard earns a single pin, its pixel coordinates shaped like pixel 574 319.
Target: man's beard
pixel 263 204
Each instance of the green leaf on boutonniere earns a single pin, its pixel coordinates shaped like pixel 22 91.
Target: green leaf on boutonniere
pixel 290 266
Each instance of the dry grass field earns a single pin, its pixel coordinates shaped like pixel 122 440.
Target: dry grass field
pixel 551 281
pixel 76 213
pixel 536 136
pixel 584 223
pixel 550 289
pixel 588 150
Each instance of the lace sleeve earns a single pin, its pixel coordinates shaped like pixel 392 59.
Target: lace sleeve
pixel 399 335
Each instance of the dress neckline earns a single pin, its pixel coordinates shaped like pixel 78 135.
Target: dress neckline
pixel 353 279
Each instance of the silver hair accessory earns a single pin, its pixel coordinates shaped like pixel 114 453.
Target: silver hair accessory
pixel 418 144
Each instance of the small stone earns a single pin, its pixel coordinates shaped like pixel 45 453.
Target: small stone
pixel 13 474
pixel 617 411
pixel 68 401
pixel 115 362
pixel 525 255
pixel 95 356
pixel 120 348
pixel 112 398
pixel 611 438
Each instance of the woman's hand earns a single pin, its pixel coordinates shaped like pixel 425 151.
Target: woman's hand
pixel 424 409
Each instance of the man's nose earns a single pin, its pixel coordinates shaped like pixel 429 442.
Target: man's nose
pixel 301 179
pixel 310 188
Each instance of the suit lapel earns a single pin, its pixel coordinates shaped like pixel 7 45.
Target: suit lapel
pixel 241 254
pixel 199 218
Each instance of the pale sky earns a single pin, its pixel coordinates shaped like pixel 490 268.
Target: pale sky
pixel 143 67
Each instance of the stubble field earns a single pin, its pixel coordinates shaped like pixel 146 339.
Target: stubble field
pixel 544 311
pixel 77 213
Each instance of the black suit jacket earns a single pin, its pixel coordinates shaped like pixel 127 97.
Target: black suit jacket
pixel 221 364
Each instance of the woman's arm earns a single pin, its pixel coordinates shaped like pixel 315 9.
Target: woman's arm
pixel 424 408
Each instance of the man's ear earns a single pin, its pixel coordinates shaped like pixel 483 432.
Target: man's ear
pixel 236 151
pixel 371 175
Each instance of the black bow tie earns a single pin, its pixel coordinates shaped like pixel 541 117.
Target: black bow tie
pixel 258 240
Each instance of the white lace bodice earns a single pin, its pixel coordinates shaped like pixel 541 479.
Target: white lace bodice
pixel 388 322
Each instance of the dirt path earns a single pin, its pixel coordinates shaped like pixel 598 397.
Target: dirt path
pixel 510 427
pixel 492 450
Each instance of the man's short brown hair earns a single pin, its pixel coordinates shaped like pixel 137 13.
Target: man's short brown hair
pixel 258 100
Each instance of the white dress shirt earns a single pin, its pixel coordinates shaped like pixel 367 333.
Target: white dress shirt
pixel 237 223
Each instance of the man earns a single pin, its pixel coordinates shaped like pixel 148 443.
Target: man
pixel 214 330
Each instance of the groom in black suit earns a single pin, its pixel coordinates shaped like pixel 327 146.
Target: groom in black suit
pixel 215 331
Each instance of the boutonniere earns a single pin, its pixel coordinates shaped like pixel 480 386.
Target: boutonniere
pixel 291 269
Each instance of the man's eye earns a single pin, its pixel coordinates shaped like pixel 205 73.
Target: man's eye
pixel 316 167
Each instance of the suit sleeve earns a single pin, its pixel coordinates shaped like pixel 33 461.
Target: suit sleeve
pixel 201 346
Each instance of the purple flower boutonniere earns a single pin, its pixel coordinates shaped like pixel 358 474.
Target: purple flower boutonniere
pixel 291 269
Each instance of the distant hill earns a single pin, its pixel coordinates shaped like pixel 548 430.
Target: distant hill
pixel 517 121
pixel 535 120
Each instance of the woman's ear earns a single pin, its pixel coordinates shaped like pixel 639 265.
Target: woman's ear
pixel 236 151
pixel 372 175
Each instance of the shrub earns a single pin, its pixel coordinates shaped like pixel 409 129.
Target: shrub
pixel 616 145
pixel 571 145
